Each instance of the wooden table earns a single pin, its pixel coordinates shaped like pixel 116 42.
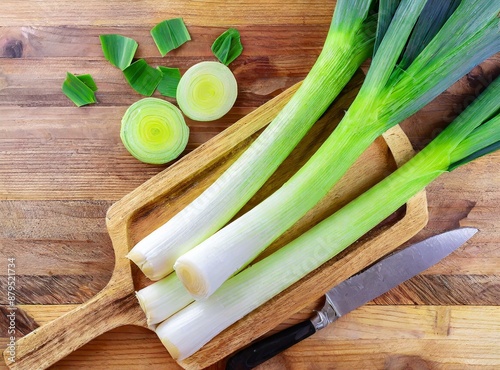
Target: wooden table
pixel 61 167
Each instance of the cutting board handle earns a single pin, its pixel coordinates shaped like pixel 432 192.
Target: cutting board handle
pixel 110 308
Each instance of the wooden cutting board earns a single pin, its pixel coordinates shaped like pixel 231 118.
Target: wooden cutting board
pixel 161 197
pixel 62 167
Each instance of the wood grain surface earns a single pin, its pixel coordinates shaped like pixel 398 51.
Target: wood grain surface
pixel 61 167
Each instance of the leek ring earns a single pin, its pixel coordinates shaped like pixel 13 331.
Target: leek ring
pixel 154 131
pixel 207 91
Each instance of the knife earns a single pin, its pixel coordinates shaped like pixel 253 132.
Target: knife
pixel 355 292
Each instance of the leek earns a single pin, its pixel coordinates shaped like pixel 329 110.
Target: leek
pixel 169 82
pixel 207 91
pixel 169 35
pixel 154 131
pixel 227 47
pixel 79 89
pixel 349 42
pixel 391 92
pixel 188 330
pixel 162 299
pixel 89 81
pixel 142 77
pixel 118 50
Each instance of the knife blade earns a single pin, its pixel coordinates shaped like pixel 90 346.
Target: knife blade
pixel 355 292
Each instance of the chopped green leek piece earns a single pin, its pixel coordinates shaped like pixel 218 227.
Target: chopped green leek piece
pixel 142 77
pixel 207 91
pixel 227 47
pixel 170 80
pixel 88 80
pixel 118 50
pixel 154 131
pixel 170 34
pixel 77 90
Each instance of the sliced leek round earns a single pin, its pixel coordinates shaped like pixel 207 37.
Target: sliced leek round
pixel 154 131
pixel 207 91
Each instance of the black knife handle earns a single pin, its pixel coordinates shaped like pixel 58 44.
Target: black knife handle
pixel 269 347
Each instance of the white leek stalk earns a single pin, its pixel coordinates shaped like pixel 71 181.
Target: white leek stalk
pixel 349 42
pixel 188 330
pixel 162 299
pixel 392 91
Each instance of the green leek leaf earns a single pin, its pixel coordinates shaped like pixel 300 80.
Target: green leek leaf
pixel 386 11
pixel 389 50
pixel 170 34
pixel 482 152
pixel 350 15
pixel 88 80
pixel 142 77
pixel 432 18
pixel 464 41
pixel 484 140
pixel 170 80
pixel 227 47
pixel 77 91
pixel 118 50
pixel 222 52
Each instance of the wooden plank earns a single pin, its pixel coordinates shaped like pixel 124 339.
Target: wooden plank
pixel 149 12
pixel 390 337
pixel 71 220
pixel 56 289
pixel 445 289
pixel 19 325
pixel 17 87
pixel 73 243
pixel 390 354
pixel 396 337
pixel 83 41
pixel 51 157
pixel 46 257
pixel 51 151
pixel 62 249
